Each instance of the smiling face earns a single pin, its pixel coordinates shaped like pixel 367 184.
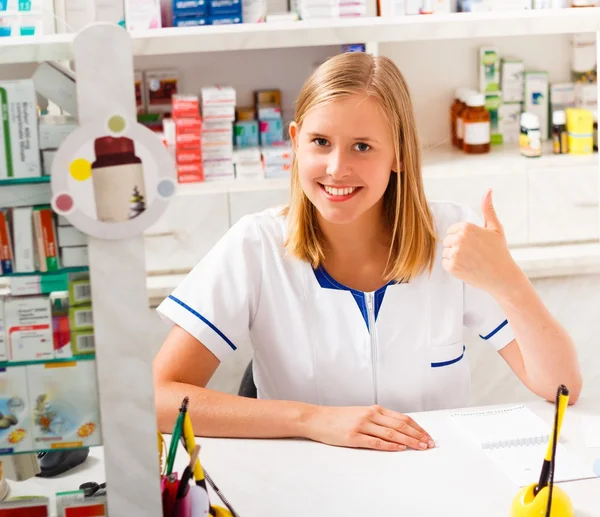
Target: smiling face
pixel 345 155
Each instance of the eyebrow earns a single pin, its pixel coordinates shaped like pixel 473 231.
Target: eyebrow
pixel 358 139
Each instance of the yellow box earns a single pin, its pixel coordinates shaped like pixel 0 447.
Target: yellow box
pixel 580 129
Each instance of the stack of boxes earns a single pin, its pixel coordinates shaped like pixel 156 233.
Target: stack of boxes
pixel 310 9
pixel 53 131
pixel 218 113
pixel 26 18
pixel 353 8
pixel 194 13
pixel 270 120
pixel 188 138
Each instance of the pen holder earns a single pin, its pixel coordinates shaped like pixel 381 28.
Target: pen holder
pixel 526 504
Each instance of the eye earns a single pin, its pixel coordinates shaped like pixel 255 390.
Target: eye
pixel 362 147
pixel 321 142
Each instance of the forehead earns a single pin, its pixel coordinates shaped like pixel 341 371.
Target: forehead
pixel 346 116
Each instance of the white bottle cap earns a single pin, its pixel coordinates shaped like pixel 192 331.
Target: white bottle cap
pixel 559 118
pixel 476 99
pixel 529 121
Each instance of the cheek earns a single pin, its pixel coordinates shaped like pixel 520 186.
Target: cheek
pixel 310 165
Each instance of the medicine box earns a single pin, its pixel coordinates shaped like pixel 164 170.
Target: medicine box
pixel 28 322
pixel 15 415
pixel 74 256
pixel 493 101
pixel 20 152
pixel 64 404
pixel 271 132
pixel 83 342
pixel 512 80
pixel 3 344
pixel 222 7
pixel 536 89
pixel 189 7
pixel 54 130
pixel 489 69
pixel 510 122
pixel 246 133
pixel 191 21
pixel 71 236
pixel 81 318
pixel 562 96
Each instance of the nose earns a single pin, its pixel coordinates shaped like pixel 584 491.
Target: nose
pixel 337 164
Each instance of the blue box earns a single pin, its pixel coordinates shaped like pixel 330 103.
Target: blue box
pixel 246 133
pixel 271 132
pixel 191 21
pixel 225 19
pixel 189 7
pixel 222 7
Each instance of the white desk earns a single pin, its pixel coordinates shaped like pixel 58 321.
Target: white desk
pixel 297 478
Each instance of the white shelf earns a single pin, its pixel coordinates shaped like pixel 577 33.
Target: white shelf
pixel 235 185
pixel 310 33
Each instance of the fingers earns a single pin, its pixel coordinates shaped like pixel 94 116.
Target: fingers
pixel 404 418
pixel 402 432
pixel 367 441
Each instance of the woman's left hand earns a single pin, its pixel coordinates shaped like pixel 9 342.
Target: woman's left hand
pixel 479 256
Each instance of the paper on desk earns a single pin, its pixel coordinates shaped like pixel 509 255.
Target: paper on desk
pixel 523 464
pixel 591 430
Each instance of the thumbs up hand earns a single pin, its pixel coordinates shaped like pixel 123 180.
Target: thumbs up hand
pixel 479 256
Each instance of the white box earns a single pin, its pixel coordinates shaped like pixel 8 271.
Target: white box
pixel 75 256
pixel 28 323
pixel 586 96
pixel 536 88
pixel 57 84
pixel 48 156
pixel 562 96
pixel 142 14
pixel 23 239
pixel 70 236
pixel 3 349
pixel 18 104
pixel 511 77
pixel 220 95
pixel 54 130
pixel 218 169
pixel 412 6
pixel 510 122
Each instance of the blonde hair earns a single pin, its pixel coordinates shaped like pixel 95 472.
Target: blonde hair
pixel 412 232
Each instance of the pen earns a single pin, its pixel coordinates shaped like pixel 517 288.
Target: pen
pixel 176 435
pixel 562 399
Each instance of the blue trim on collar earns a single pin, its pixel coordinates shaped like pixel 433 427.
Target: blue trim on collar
pixel 326 281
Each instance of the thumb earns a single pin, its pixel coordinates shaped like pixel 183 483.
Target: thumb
pixel 490 218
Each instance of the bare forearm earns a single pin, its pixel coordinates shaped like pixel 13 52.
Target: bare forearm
pixel 548 352
pixel 217 414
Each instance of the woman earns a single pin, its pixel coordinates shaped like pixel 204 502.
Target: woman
pixel 354 297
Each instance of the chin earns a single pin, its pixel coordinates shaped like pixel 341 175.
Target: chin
pixel 342 215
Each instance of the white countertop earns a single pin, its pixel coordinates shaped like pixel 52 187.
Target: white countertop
pixel 296 478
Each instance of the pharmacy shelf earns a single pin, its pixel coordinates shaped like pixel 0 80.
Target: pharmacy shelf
pixel 48 274
pixel 536 262
pixel 311 33
pixel 67 360
pixel 235 185
pixel 24 181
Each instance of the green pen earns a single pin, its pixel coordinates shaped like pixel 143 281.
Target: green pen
pixel 178 429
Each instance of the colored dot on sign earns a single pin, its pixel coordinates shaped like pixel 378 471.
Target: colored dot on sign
pixel 64 202
pixel 80 169
pixel 116 124
pixel 166 188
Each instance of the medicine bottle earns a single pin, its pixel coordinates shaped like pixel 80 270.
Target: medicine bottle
pixel 457 106
pixel 559 132
pixel 530 139
pixel 118 180
pixel 476 120
pixel 595 114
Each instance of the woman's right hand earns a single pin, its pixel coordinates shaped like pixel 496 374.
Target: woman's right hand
pixel 370 427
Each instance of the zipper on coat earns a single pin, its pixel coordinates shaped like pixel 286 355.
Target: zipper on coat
pixel 373 338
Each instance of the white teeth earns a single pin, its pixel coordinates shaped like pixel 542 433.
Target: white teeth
pixel 339 191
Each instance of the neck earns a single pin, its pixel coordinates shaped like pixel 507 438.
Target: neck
pixel 363 239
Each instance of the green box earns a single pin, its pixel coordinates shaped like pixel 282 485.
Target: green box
pixel 81 318
pixel 83 342
pixel 493 102
pixel 80 292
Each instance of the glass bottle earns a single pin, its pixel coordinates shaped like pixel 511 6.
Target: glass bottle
pixel 476 121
